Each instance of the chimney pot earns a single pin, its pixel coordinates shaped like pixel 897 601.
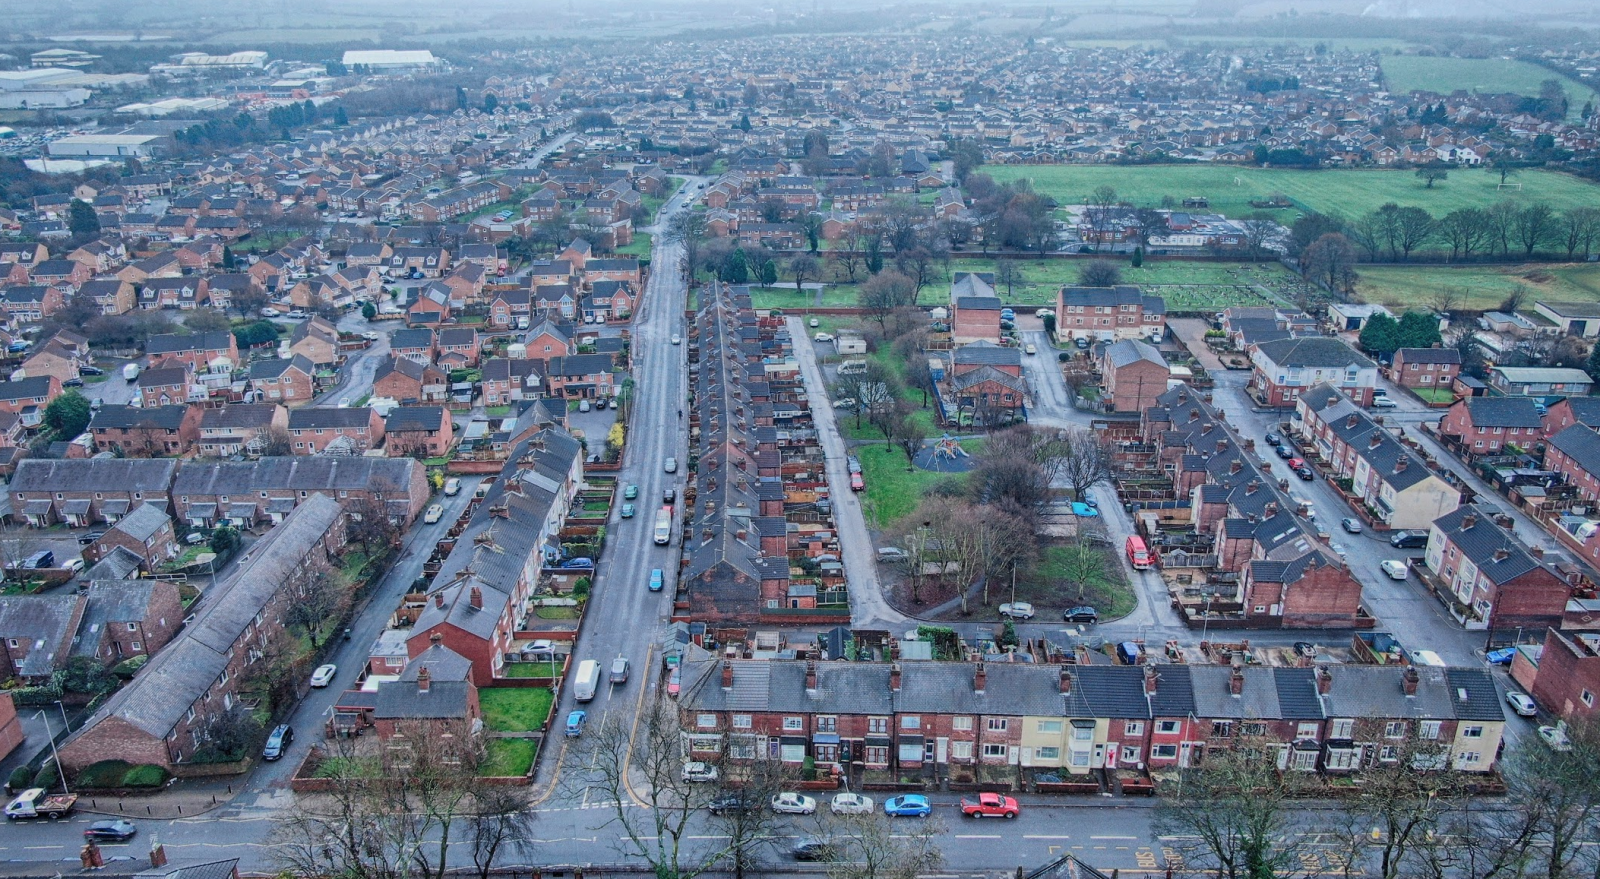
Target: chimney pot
pixel 424 678
pixel 1149 680
pixel 1402 464
pixel 811 675
pixel 1236 682
pixel 1377 440
pixel 1271 510
pixel 1537 552
pixel 1251 486
pixel 1501 555
pixel 1222 445
pixel 477 598
pixel 1236 466
pixel 1468 521
pixel 436 639
pixel 438 599
pixel 1351 420
pixel 727 674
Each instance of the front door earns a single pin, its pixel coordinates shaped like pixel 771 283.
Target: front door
pixel 943 754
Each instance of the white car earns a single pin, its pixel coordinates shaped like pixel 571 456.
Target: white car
pixel 1021 610
pixel 1555 737
pixel 1522 704
pixel 676 340
pixel 822 337
pixel 269 312
pixel 851 804
pixel 1395 568
pixel 1044 312
pixel 370 336
pixel 1384 403
pixel 323 676
pixel 75 565
pixel 791 803
pixel 845 403
pixel 434 514
pixel 672 465
pixel 1030 349
pixel 298 314
pixel 815 323
pixel 699 772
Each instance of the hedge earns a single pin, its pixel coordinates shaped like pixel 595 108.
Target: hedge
pixel 121 773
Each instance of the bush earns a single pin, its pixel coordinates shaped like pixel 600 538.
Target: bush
pixel 106 773
pixel 47 777
pixel 20 778
pixel 35 697
pixel 145 775
pixel 130 666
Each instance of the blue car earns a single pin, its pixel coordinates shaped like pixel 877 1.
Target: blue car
pixel 575 722
pixel 908 806
pixel 1503 656
pixel 655 580
pixel 1084 510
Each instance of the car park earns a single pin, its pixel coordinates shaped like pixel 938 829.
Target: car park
pixel 116 830
pixel 1522 704
pixel 1395 568
pixel 278 742
pixel 1350 524
pixel 696 772
pixel 851 804
pixel 575 722
pixel 657 579
pixel 1083 614
pixel 323 676
pixel 628 511
pixel 791 803
pixel 1020 610
pixel 907 806
pixel 435 513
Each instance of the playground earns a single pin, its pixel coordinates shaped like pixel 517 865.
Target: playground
pixel 945 455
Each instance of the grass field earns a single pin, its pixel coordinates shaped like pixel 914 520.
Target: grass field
pixel 1407 73
pixel 515 709
pixel 1350 192
pixel 507 758
pixel 1185 285
pixel 892 490
pixel 1484 286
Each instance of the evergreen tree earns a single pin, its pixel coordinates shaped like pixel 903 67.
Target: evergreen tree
pixel 1381 335
pixel 340 117
pixel 83 222
pixel 1138 257
pixel 744 122
pixel 227 258
pixel 1593 366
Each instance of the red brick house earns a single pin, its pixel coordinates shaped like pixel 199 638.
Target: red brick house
pixel 408 381
pixel 1286 368
pixel 146 532
pixel 291 382
pixel 1108 313
pixel 419 431
pixel 1484 425
pixel 30 304
pixel 507 381
pixel 507 307
pixel 199 350
pixel 83 492
pixel 1568 679
pixel 1426 368
pixel 28 397
pixel 457 347
pixel 580 375
pixel 154 432
pixel 311 430
pixel 1134 375
pixel 1489 579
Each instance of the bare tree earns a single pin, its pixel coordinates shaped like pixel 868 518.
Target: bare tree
pixel 1082 564
pixel 1579 229
pixel 866 846
pixel 872 389
pixel 1100 207
pixel 1500 222
pixel 319 603
pixel 1329 260
pixel 1465 230
pixel 1534 225
pixel 1234 814
pixel 687 229
pixel 1080 458
pixel 746 782
pixel 275 443
pixel 1446 299
pixel 1008 274
pixel 1099 273
pixel 1259 229
pixel 500 825
pixel 803 268
pixel 370 524
pixel 884 292
pixel 906 432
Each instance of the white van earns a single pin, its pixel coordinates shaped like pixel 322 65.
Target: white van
pixel 586 681
pixel 852 367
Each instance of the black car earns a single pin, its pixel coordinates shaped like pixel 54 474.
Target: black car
pixel 727 803
pixel 91 537
pixel 90 370
pixel 72 383
pixel 1284 452
pixel 1305 473
pixel 1273 439
pixel 813 849
pixel 1409 539
pixel 117 830
pixel 278 742
pixel 1080 615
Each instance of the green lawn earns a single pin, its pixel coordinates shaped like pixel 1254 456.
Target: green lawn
pixel 639 247
pixel 1435 395
pixel 1042 278
pixel 1484 286
pixel 507 758
pixel 1351 192
pixel 1407 73
pixel 892 491
pixel 515 709
pixel 1109 593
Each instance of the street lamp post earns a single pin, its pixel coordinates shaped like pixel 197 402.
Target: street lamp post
pixel 1205 624
pixel 53 755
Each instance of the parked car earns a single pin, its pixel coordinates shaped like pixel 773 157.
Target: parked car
pixel 583 405
pixel 1395 568
pixel 676 340
pixel 1030 349
pixel 814 323
pixel 1408 539
pixel 90 370
pixel 1083 614
pixel 575 722
pixel 1384 403
pixel 278 742
pixel 1350 524
pixel 323 676
pixel 791 803
pixel 908 806
pixel 1305 473
pixel 579 562
pixel 72 383
pixel 1020 610
pixel 91 537
pixel 1083 510
pixel 671 465
pixel 656 579
pixel 1502 656
pixel 1555 737
pixel 990 806
pixel 697 772
pixel 435 513
pixel 115 831
pixel 1522 704
pixel 1273 439
pixel 727 803
pixel 452 486
pixel 822 337
pixel 674 682
pixel 850 804
pixel 1296 463
pixel 1284 452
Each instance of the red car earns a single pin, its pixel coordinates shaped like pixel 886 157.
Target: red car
pixel 1296 463
pixel 855 482
pixel 990 806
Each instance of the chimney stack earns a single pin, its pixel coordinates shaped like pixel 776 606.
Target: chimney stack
pixel 980 678
pixel 811 676
pixel 1251 486
pixel 1324 680
pixel 1501 555
pixel 1149 680
pixel 1537 552
pixel 1270 510
pixel 476 598
pixel 1222 445
pixel 424 678
pixel 894 677
pixel 1408 681
pixel 1065 681
pixel 1468 521
pixel 1377 440
pixel 1236 466
pixel 1082 652
pixel 1401 465
pixel 1352 420
pixel 438 599
pixel 436 639
pixel 158 856
pixel 727 674
pixel 1236 682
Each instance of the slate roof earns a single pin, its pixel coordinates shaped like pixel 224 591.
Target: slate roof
pixel 223 869
pixel 1485 538
pixel 402 418
pixel 50 621
pixel 1503 412
pixel 115 417
pixel 176 343
pixel 1128 351
pixel 403 700
pixel 277 366
pixel 122 475
pixel 1314 352
pixel 159 696
pixel 1582 444
pixel 308 472
pixel 108 602
pixel 143 522
pixel 238 415
pixel 987 354
pixel 1585 409
pixel 26 388
pixel 1122 294
pixel 1428 355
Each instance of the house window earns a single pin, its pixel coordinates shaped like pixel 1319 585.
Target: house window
pixel 709 744
pixel 1306 731
pixel 706 721
pixel 794 723
pixel 133 645
pixel 1389 753
pixel 1428 729
pixel 12 643
pixel 133 627
pixel 1472 732
pixel 877 755
pixel 1048 753
pixel 1221 729
pixel 997 724
pixel 911 723
pixel 1394 729
pixel 1164 751
pixel 1130 753
pixel 741 721
pixel 1252 729
pixel 961 750
pixel 878 725
pixel 827 723
pixel 1049 726
pixel 1133 728
pixel 994 751
pixel 961 724
pixel 1166 726
pixel 1586 696
pixel 1343 729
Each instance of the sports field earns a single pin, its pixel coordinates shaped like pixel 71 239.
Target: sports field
pixel 1187 286
pixel 1407 73
pixel 1483 287
pixel 1351 192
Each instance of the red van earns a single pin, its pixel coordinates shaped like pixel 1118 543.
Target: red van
pixel 1138 554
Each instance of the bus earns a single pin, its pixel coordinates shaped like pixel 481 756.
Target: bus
pixel 663 526
pixel 1138 555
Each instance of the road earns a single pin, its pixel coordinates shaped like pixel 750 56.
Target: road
pixel 355 377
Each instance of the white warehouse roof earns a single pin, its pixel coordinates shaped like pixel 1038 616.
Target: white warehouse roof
pixel 390 57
